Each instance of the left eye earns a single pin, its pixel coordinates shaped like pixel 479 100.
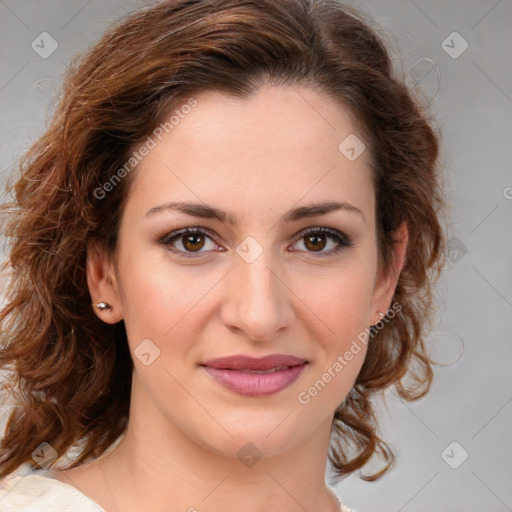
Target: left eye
pixel 315 239
pixel 193 240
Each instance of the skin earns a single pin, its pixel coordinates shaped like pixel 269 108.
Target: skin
pixel 257 158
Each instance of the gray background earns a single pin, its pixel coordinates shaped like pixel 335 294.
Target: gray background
pixel 470 402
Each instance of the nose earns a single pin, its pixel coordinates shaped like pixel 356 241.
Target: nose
pixel 257 300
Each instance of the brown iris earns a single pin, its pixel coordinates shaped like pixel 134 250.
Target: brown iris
pixel 190 242
pixel 313 240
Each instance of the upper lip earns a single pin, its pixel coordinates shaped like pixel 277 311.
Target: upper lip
pixel 241 362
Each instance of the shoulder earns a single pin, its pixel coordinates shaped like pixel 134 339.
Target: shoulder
pixel 345 509
pixel 37 493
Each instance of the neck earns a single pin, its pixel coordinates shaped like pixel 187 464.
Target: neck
pixel 157 464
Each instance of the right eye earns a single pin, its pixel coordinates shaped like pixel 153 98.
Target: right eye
pixel 191 240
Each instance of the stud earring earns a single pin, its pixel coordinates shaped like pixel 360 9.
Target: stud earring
pixel 102 306
pixel 382 315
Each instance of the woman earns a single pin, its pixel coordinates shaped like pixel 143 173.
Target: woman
pixel 222 248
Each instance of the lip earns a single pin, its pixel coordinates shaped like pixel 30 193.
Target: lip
pixel 240 373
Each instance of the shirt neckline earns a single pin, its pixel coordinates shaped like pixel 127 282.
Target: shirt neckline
pixel 84 499
pixel 52 483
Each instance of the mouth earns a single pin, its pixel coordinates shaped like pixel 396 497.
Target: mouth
pixel 264 372
pixel 255 377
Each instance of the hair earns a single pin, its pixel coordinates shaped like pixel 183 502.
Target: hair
pixel 70 373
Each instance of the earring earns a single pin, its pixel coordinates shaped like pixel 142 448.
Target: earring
pixel 102 306
pixel 382 315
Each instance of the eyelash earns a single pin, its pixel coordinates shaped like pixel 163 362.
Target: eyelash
pixel 344 242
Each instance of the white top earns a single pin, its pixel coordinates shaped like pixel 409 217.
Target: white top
pixel 36 493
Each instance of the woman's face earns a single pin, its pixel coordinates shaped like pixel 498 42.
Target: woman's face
pixel 257 285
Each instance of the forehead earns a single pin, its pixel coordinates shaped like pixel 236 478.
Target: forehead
pixel 279 146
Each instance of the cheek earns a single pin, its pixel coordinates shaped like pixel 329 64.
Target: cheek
pixel 342 303
pixel 343 353
pixel 159 302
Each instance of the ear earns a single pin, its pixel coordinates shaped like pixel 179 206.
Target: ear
pixel 102 284
pixel 387 278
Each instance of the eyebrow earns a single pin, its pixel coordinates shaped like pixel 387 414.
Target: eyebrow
pixel 208 212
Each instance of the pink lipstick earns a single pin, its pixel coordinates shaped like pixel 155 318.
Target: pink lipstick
pixel 249 376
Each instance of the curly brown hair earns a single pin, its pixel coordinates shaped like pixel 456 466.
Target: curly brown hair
pixel 71 382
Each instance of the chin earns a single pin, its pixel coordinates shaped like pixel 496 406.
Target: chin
pixel 253 434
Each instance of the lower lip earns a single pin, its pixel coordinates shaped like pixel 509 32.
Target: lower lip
pixel 256 384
